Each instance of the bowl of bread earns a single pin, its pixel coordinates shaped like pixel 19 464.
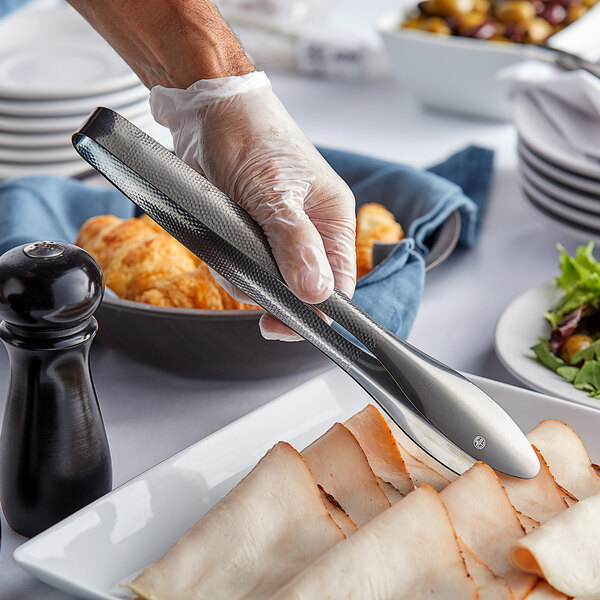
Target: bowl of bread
pixel 163 307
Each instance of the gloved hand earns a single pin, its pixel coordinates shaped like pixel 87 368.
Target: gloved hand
pixel 237 133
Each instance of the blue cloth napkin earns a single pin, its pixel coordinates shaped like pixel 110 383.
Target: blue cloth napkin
pixel 51 208
pixel 7 6
pixel 421 201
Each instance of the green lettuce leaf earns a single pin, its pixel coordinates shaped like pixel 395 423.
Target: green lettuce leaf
pixel 590 353
pixel 580 278
pixel 546 356
pixel 568 372
pixel 588 378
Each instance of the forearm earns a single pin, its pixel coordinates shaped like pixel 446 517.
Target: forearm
pixel 168 42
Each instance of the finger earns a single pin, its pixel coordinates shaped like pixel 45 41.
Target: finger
pixel 341 254
pixel 298 250
pixel 335 220
pixel 273 329
pixel 233 291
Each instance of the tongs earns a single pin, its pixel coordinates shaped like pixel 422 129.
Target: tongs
pixel 443 412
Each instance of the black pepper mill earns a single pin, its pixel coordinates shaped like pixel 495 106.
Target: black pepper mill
pixel 54 455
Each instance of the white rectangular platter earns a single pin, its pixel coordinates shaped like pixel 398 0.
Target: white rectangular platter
pixel 106 543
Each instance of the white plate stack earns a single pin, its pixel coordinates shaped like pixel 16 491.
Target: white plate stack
pixel 54 70
pixel 560 184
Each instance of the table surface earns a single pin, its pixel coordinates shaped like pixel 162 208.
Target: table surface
pixel 150 415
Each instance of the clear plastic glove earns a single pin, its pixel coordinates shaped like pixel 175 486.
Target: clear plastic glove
pixel 237 133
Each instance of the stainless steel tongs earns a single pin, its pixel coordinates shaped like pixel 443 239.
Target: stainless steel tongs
pixel 442 411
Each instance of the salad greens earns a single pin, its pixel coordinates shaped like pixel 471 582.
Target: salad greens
pixel 580 278
pixel 573 350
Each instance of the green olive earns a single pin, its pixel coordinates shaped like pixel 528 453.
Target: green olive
pixel 515 11
pixel 573 345
pixel 435 25
pixel 448 8
pixel 412 23
pixel 482 6
pixel 574 11
pixel 538 30
pixel 471 20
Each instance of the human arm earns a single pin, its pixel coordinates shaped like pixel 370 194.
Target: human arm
pixel 228 124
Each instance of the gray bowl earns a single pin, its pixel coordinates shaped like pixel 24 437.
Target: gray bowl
pixel 226 344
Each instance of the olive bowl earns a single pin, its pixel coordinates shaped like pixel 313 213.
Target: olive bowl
pixel 461 74
pixel 209 344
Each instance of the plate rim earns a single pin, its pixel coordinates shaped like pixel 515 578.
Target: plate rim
pixel 65 107
pixel 560 210
pixel 566 200
pixel 555 173
pixel 556 176
pixel 565 226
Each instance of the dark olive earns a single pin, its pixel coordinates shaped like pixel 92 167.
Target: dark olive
pixel 554 12
pixel 539 6
pixel 425 7
pixel 516 32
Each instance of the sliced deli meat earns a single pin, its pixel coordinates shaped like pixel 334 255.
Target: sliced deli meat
pixel 375 437
pixel 438 473
pixel 528 523
pixel 567 458
pixel 268 528
pixel 565 550
pixel 392 494
pixel 337 513
pixel 485 519
pixel 408 552
pixel 539 497
pixel 341 468
pixel 489 586
pixel 544 591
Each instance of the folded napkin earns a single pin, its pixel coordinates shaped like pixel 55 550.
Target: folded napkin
pixel 50 208
pixel 569 100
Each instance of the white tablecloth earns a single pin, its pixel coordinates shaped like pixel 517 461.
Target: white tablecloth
pixel 151 415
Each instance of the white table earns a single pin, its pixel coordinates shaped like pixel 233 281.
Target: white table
pixel 150 415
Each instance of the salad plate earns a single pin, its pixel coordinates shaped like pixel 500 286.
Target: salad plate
pixel 520 326
pixel 92 552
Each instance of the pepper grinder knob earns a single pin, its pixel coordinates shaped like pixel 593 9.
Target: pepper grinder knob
pixel 48 286
pixel 54 455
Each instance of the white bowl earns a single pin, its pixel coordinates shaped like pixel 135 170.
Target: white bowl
pixel 460 74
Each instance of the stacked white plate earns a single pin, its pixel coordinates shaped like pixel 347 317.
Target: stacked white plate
pixel 54 70
pixel 560 184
